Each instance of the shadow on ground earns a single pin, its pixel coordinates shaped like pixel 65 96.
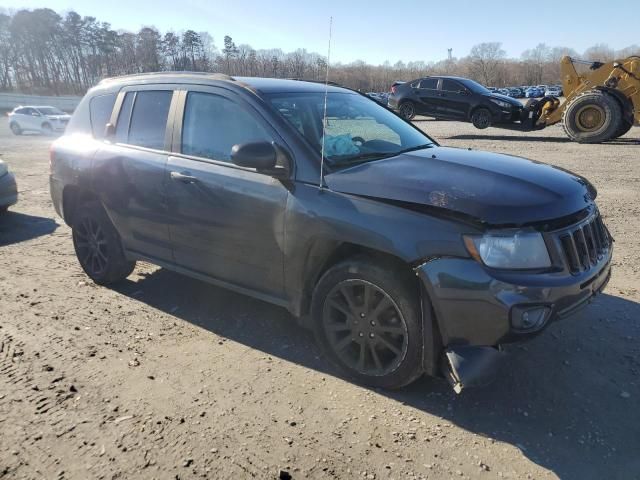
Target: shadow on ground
pixel 567 399
pixel 524 137
pixel 18 227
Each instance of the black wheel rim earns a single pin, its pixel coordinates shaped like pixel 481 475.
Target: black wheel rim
pixel 482 118
pixel 91 246
pixel 365 328
pixel 406 110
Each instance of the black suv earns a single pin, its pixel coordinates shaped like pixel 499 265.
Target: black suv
pixel 454 98
pixel 402 255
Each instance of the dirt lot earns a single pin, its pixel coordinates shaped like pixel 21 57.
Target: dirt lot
pixel 167 377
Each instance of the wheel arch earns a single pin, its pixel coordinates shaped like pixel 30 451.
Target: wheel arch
pixel 73 196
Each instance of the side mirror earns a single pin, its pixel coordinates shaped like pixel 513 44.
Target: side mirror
pixel 263 156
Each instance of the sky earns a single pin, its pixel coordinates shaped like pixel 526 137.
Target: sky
pixel 374 31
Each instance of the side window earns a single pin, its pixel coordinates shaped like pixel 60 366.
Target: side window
pixel 431 83
pixel 451 85
pixel 149 118
pixel 213 124
pixel 20 111
pixel 100 109
pixel 124 117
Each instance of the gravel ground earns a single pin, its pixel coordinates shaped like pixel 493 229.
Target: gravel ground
pixel 167 377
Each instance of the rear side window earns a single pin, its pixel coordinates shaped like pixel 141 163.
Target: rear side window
pixel 213 124
pixel 149 118
pixel 100 109
pixel 431 83
pixel 451 85
pixel 20 111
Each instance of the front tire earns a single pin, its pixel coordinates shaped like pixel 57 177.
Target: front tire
pixel 98 247
pixel 592 117
pixel 47 129
pixel 15 128
pixel 481 118
pixel 407 110
pixel 367 320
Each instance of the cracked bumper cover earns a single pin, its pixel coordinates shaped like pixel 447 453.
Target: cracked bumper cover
pixel 473 305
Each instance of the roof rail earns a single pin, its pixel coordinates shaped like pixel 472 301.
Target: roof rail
pixel 217 76
pixel 335 84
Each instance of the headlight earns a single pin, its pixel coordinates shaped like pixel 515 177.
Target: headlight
pixel 519 250
pixel 500 103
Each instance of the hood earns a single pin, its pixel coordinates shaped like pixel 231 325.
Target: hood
pixel 3 168
pixel 492 188
pixel 504 98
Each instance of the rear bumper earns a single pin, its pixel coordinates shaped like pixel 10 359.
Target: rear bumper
pixel 55 189
pixel 8 190
pixel 474 306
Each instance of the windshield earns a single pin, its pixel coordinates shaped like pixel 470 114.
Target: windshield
pixel 357 129
pixel 50 111
pixel 475 87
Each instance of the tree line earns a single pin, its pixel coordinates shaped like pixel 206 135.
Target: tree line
pixel 44 52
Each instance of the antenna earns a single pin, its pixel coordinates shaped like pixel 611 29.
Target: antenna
pixel 324 115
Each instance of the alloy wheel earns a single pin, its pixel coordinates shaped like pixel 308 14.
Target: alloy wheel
pixel 365 328
pixel 91 246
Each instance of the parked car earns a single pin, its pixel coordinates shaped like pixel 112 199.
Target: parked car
pixel 503 91
pixel 8 188
pixel 454 98
pixel 402 256
pixel 37 119
pixel 553 92
pixel 533 92
pixel 516 93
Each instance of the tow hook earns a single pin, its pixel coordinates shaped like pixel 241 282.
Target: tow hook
pixel 467 366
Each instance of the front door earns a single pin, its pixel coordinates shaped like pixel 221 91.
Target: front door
pixel 227 221
pixel 453 100
pixel 129 173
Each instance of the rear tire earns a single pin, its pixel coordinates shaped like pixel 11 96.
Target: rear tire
pixel 481 118
pixel 47 129
pixel 367 320
pixel 407 110
pixel 98 246
pixel 592 117
pixel 15 128
pixel 625 126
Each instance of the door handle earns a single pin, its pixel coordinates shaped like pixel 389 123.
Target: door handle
pixel 183 177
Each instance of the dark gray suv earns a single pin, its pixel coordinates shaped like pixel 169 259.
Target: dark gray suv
pixel 403 256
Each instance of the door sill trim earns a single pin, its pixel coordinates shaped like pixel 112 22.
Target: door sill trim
pixel 282 302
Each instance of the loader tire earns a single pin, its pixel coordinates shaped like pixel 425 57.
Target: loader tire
pixel 592 117
pixel 625 126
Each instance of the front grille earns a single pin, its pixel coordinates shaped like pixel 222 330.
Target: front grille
pixel 584 244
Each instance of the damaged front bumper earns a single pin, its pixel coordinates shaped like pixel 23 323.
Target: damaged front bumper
pixel 477 309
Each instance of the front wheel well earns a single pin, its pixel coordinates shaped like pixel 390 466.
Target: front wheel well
pixel 344 251
pixel 72 198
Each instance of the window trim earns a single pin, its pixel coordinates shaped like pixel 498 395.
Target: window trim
pixel 168 133
pixel 181 105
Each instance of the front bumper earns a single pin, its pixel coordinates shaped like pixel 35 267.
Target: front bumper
pixel 8 190
pixel 474 305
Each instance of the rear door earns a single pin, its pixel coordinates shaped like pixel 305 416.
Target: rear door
pixel 453 99
pixel 129 171
pixel 227 222
pixel 427 91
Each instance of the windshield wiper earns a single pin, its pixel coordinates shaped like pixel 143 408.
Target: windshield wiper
pixel 417 147
pixel 360 158
pixel 369 156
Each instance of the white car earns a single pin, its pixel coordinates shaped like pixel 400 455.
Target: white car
pixel 37 119
pixel 553 92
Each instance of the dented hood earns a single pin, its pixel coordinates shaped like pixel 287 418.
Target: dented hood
pixel 493 188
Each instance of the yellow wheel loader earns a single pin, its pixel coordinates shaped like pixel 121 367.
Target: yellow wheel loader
pixel 600 105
